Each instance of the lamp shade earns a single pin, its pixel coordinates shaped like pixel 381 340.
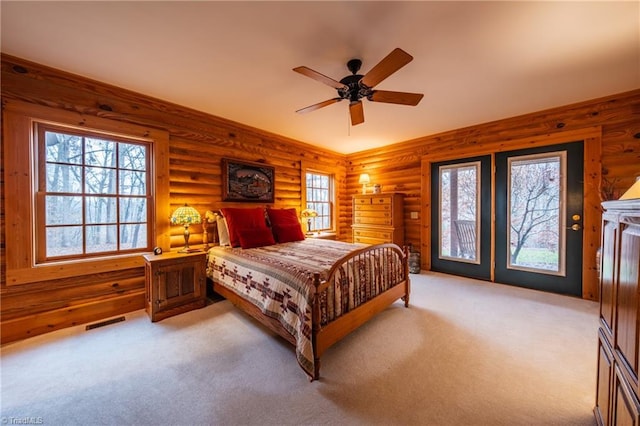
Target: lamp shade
pixel 185 215
pixel 364 179
pixel 307 213
pixel 633 192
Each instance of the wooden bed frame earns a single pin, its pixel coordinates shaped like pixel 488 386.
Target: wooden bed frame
pixel 324 336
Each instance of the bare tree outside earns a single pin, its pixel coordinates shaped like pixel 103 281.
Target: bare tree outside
pixel 318 190
pixel 95 195
pixel 534 208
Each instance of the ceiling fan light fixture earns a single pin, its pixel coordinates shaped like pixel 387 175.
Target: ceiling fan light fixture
pixel 354 65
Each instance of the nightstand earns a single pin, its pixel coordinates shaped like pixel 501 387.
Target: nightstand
pixel 175 283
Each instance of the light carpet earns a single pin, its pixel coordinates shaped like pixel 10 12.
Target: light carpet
pixel 465 352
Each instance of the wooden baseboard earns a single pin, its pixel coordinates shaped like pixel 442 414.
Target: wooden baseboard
pixel 33 325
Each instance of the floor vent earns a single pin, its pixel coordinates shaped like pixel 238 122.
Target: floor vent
pixel 103 323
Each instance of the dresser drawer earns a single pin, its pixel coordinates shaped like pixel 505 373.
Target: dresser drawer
pixel 383 199
pixel 372 208
pixel 369 233
pixel 370 213
pixel 373 220
pixel 367 240
pixel 378 200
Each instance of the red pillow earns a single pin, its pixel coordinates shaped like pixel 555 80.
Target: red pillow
pixel 243 219
pixel 288 233
pixel 252 237
pixel 283 217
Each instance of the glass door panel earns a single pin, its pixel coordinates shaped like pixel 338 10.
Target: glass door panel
pixel 536 204
pixel 461 217
pixel 458 192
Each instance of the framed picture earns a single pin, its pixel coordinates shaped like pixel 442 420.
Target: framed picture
pixel 247 182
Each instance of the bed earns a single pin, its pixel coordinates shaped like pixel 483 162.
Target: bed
pixel 310 291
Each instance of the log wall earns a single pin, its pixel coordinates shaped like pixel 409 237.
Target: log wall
pixel 198 141
pixel 610 124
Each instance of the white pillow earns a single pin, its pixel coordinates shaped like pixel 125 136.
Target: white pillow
pixel 223 232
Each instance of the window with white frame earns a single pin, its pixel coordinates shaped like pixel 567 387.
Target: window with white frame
pixel 93 194
pixel 319 197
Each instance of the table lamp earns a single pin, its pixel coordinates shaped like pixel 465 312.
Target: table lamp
pixel 308 214
pixel 364 180
pixel 185 215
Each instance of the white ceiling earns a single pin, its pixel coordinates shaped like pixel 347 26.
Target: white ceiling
pixel 474 61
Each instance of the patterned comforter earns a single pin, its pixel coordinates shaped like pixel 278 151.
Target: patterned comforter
pixel 279 280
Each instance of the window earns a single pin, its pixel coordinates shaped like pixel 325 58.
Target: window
pixel 319 197
pixel 93 194
pixel 83 194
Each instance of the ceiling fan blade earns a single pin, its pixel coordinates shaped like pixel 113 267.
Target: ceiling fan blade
pixel 395 60
pixel 402 98
pixel 357 113
pixel 319 105
pixel 319 77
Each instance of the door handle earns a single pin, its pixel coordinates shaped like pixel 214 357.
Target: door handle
pixel 575 227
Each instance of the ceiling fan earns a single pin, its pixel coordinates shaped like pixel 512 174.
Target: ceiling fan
pixel 355 87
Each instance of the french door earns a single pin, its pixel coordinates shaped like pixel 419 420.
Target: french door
pixel 461 213
pixel 539 209
pixel 536 211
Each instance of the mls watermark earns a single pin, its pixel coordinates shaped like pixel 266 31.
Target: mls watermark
pixel 24 420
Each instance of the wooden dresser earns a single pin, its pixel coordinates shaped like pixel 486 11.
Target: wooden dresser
pixel 617 388
pixel 378 218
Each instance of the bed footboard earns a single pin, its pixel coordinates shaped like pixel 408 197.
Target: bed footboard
pixel 357 287
pixel 363 283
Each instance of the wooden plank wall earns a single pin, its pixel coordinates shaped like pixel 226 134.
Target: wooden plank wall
pixel 398 167
pixel 198 141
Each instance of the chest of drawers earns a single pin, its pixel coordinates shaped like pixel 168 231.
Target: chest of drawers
pixel 378 218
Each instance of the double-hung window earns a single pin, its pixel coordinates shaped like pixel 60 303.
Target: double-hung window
pixel 84 195
pixel 93 194
pixel 319 197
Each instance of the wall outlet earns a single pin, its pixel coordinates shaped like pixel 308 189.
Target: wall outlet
pixel 414 215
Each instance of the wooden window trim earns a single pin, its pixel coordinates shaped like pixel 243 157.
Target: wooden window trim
pixel 18 119
pixel 303 187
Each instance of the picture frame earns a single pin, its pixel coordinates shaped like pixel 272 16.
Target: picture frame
pixel 244 181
